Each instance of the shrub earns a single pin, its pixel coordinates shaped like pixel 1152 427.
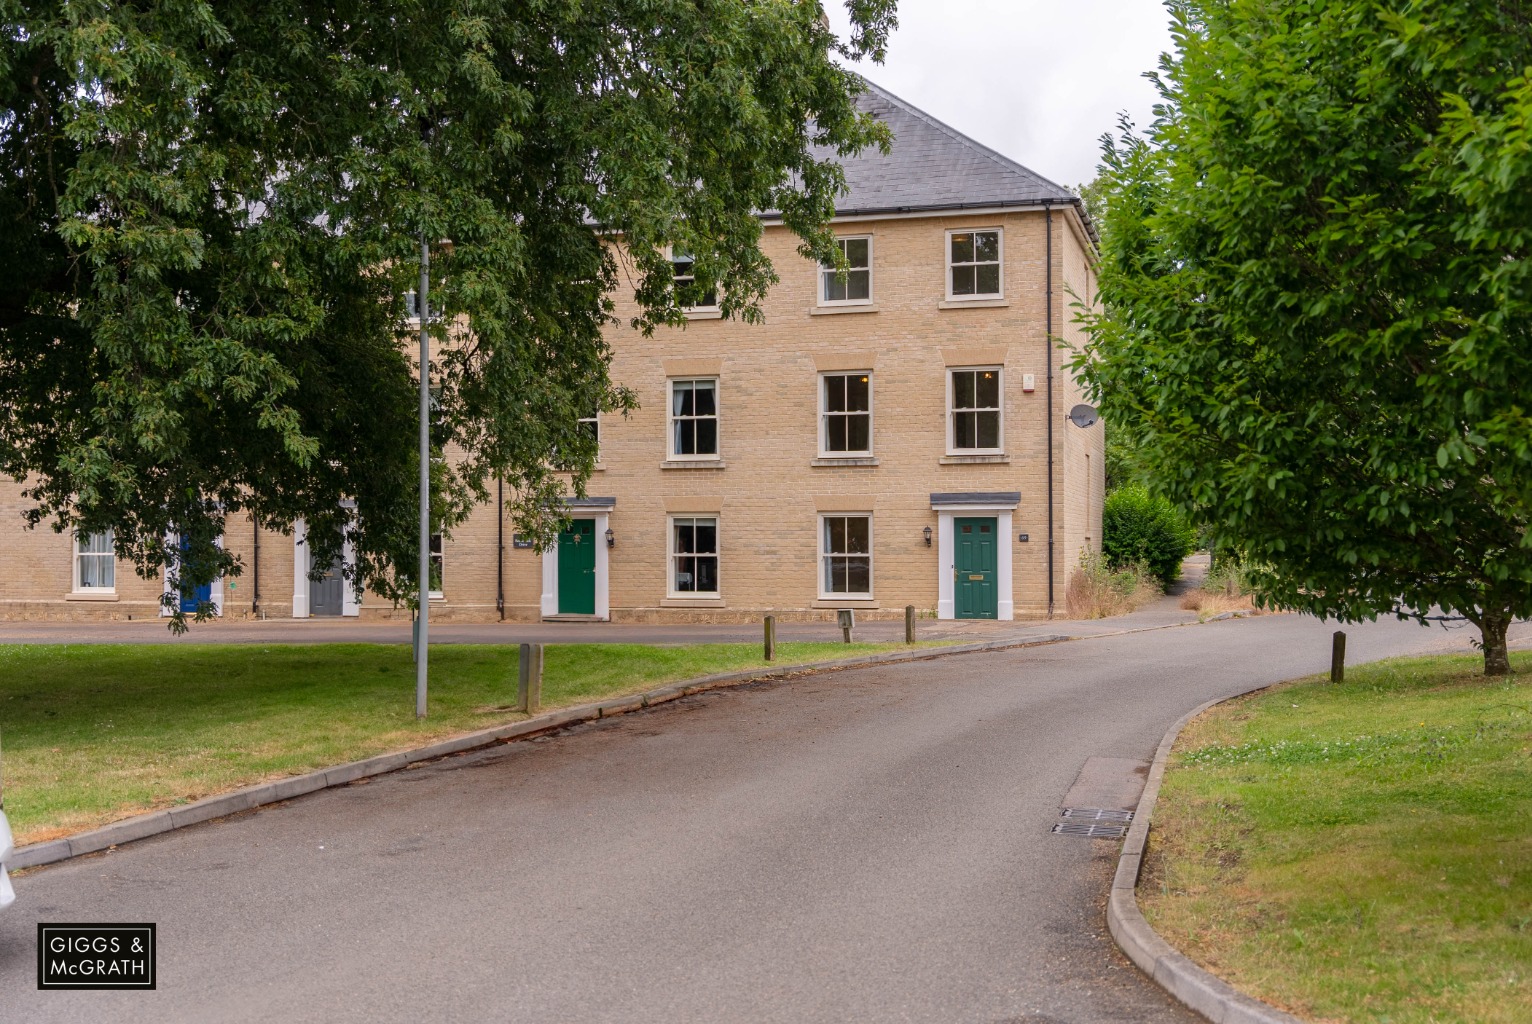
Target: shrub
pixel 1141 529
pixel 1096 591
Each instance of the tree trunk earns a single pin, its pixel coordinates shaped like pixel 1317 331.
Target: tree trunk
pixel 1497 660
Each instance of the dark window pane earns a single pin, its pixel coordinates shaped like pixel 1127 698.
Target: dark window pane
pixel 856 251
pixel 686 437
pixel 705 398
pixel 681 399
pixel 987 246
pixel 963 390
pixel 837 534
pixel 964 430
pixel 707 437
pixel 709 298
pixel 988 280
pixel 962 248
pixel 835 394
pixel 858 434
pixel 707 575
pixel 988 384
pixel 858 392
pixel 683 266
pixel 707 536
pixel 835 289
pixel 962 280
pixel 859 285
pixel 989 429
pixel 835 434
pixel 685 536
pixel 858 575
pixel 858 535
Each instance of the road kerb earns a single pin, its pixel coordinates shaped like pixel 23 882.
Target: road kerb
pixel 1172 970
pixel 143 826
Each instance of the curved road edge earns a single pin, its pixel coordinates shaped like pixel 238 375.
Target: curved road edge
pixel 153 823
pixel 1171 969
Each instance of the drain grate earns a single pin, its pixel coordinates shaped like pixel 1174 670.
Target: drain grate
pixel 1093 822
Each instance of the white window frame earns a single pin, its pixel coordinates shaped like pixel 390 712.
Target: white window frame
pixel 596 420
pixel 824 415
pixel 438 560
pixel 824 556
pixel 675 279
pixel 947 257
pixel 111 553
pixel 671 555
pixel 824 274
pixel 670 419
pixel 952 412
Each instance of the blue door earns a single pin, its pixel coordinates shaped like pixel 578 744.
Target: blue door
pixel 192 596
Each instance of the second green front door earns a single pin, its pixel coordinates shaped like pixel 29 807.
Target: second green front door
pixel 577 568
pixel 975 562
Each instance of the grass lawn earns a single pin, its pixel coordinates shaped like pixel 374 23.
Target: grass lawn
pixel 1361 852
pixel 93 733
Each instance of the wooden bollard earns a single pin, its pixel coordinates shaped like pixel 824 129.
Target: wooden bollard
pixel 1338 657
pixel 909 623
pixel 529 679
pixel 771 637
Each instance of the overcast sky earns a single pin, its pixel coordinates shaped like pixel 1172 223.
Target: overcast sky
pixel 1038 80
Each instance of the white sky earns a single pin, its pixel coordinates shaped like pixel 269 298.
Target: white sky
pixel 1039 80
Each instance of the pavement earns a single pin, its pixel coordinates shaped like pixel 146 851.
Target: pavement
pixel 868 845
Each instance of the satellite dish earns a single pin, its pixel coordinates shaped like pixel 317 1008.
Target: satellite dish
pixel 1083 416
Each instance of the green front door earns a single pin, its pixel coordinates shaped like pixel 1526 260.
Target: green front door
pixel 974 563
pixel 577 568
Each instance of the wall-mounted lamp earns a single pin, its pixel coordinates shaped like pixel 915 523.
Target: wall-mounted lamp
pixel 611 538
pixel 926 533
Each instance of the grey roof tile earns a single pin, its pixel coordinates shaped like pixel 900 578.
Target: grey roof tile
pixel 933 166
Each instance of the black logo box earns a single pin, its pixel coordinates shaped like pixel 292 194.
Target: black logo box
pixel 95 956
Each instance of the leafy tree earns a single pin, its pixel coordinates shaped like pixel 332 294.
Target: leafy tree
pixel 212 212
pixel 1318 281
pixel 1139 528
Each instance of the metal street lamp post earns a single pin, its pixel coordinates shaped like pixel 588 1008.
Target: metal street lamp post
pixel 422 616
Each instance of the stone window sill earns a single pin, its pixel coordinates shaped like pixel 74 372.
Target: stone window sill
pixel 860 603
pixel 865 307
pixel 91 595
pixel 692 602
pixel 970 460
pixel 703 314
pixel 832 461
pixel 689 464
pixel 1000 303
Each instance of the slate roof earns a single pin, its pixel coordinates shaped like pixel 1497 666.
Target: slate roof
pixel 933 166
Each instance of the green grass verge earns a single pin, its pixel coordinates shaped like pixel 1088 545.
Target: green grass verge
pixel 93 733
pixel 1359 852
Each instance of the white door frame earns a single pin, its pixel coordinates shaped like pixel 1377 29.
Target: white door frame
pixel 550 596
pixel 350 601
pixel 946 554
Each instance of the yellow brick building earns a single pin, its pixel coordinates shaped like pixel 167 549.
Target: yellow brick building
pixel 899 437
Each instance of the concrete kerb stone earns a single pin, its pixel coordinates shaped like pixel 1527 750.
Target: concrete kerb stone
pixel 143 826
pixel 1172 970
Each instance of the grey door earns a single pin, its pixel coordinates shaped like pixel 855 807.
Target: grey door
pixel 325 594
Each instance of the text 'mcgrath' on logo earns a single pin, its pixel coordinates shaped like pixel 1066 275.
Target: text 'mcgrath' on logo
pixel 119 956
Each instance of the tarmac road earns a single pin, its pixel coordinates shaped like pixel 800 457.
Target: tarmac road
pixel 867 846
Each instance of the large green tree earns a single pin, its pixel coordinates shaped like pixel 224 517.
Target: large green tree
pixel 211 215
pixel 1318 281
